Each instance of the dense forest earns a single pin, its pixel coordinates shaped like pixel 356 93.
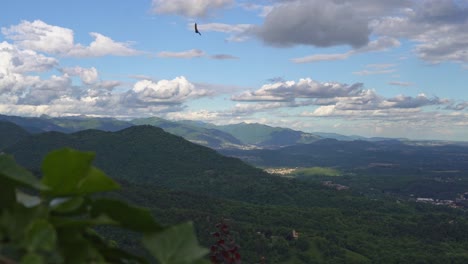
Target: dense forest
pixel 273 219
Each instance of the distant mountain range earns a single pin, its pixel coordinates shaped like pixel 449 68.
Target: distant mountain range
pixel 359 154
pixel 234 136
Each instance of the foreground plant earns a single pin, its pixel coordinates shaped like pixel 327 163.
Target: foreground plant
pixel 225 249
pixel 52 220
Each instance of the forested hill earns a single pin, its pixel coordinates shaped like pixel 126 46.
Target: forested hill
pixel 146 154
pixel 359 153
pixel 10 133
pixel 180 181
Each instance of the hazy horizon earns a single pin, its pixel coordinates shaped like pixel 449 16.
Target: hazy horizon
pixel 394 69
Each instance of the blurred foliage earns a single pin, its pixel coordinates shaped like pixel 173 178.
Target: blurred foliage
pixel 53 220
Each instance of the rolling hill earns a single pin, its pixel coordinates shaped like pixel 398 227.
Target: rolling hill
pixel 205 136
pixel 10 133
pixel 179 181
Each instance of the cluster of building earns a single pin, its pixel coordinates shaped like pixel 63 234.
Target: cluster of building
pixel 460 202
pixel 336 186
pixel 281 171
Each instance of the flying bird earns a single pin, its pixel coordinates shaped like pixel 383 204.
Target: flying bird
pixel 196 29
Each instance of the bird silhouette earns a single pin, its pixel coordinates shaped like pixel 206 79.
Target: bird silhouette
pixel 196 29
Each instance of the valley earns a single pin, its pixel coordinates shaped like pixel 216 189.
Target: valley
pixel 345 201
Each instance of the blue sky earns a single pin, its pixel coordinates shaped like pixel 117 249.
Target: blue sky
pixel 374 68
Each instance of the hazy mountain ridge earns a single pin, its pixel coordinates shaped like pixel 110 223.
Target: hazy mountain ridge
pixel 358 153
pixel 233 136
pixel 209 137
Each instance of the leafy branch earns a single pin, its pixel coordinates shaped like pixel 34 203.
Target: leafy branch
pixel 52 220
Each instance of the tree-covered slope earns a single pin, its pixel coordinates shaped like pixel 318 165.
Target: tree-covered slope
pixel 33 124
pixel 10 133
pixel 147 154
pixel 78 123
pixel 209 137
pixel 267 136
pixel 182 181
pixel 354 154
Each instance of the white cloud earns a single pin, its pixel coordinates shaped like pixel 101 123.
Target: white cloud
pixel 201 115
pixel 188 54
pixel 102 46
pixel 15 64
pixel 304 88
pixel 264 10
pixel 44 91
pixel 438 27
pixel 379 44
pixel 237 32
pixel 189 8
pixel 87 76
pixel 373 72
pixel 398 83
pixel 15 60
pixel 322 57
pixel 221 27
pixel 373 69
pixel 174 91
pixel 42 37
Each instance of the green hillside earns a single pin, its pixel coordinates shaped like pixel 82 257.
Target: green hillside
pixel 78 123
pixel 267 136
pixel 10 133
pixel 209 137
pixel 179 180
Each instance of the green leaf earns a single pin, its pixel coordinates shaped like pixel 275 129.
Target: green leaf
pixel 7 193
pixel 41 235
pixel 69 172
pixel 76 248
pixel 26 199
pixel 111 253
pixel 130 217
pixel 175 245
pixel 67 205
pixel 16 221
pixel 32 258
pixel 16 174
pixel 69 223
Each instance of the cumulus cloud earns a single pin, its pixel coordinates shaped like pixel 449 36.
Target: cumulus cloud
pixel 330 97
pixel 189 8
pixel 44 91
pixel 21 61
pixel 176 91
pixel 102 46
pixel 458 106
pixel 438 27
pixel 188 54
pixel 15 66
pixel 87 75
pixel 316 23
pixel 42 37
pixel 304 88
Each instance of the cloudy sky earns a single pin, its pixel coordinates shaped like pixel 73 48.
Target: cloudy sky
pixel 369 67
